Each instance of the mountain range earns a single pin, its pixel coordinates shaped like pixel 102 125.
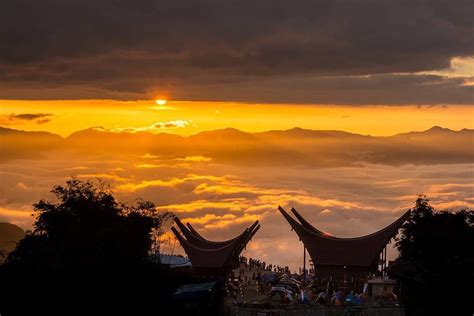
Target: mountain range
pixel 295 146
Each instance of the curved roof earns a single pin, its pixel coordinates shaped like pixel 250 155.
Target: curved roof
pixel 210 254
pixel 306 223
pixel 195 232
pixel 328 250
pixel 199 241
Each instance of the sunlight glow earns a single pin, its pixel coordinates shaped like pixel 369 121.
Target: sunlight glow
pixel 187 117
pixel 161 102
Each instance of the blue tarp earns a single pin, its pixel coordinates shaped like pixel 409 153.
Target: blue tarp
pixel 195 291
pixel 174 261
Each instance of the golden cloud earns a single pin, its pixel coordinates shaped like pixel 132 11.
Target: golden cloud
pixel 195 159
pixel 208 218
pixel 102 176
pixel 22 218
pixel 172 182
pixel 154 128
pixel 234 205
pixel 223 223
pixel 149 166
pixel 233 187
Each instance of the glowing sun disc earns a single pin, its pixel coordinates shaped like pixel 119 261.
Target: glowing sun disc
pixel 161 102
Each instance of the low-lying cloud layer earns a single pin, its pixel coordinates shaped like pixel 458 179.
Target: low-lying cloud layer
pixel 157 127
pixel 220 198
pixel 298 147
pixel 214 50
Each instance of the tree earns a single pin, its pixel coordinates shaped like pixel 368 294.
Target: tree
pixel 88 227
pixel 83 245
pixel 436 258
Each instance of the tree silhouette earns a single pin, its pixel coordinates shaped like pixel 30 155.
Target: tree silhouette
pixel 88 227
pixel 436 259
pixel 86 243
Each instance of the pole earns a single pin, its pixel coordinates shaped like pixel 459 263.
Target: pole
pixel 172 250
pixel 304 263
pixel 164 246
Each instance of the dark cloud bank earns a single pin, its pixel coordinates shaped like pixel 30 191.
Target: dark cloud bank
pixel 38 118
pixel 265 51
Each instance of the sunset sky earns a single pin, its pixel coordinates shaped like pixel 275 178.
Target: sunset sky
pixel 95 69
pixel 64 117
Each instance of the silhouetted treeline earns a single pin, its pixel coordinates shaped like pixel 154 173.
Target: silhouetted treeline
pixel 436 263
pixel 86 252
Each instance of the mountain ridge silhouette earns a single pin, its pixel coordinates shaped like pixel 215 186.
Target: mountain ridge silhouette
pixel 296 146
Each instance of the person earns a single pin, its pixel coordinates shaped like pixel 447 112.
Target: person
pixel 365 291
pixel 322 298
pixel 336 298
pixel 359 299
pixel 392 296
pixel 304 296
pixel 350 298
pixel 310 294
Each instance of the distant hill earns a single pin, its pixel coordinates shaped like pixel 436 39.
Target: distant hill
pixel 9 235
pixel 25 144
pixel 31 135
pixel 98 139
pixel 301 133
pixel 295 146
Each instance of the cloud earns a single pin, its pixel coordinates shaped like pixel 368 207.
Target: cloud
pixel 38 118
pixel 28 117
pixel 213 222
pixel 271 37
pixel 191 48
pixel 222 199
pixel 22 218
pixel 208 218
pixel 195 159
pixel 196 206
pixel 153 128
pixel 148 165
pixel 224 223
pixel 102 176
pixel 173 182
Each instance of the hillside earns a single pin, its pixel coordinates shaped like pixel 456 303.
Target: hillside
pixel 9 235
pixel 297 146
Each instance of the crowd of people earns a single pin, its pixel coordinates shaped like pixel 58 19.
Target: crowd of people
pixel 255 264
pixel 276 284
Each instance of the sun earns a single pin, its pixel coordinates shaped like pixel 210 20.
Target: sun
pixel 161 102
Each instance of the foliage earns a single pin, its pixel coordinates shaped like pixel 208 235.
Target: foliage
pixel 87 226
pixel 87 251
pixel 436 256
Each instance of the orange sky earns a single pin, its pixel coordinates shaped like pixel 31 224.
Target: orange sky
pixel 188 117
pixel 221 196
